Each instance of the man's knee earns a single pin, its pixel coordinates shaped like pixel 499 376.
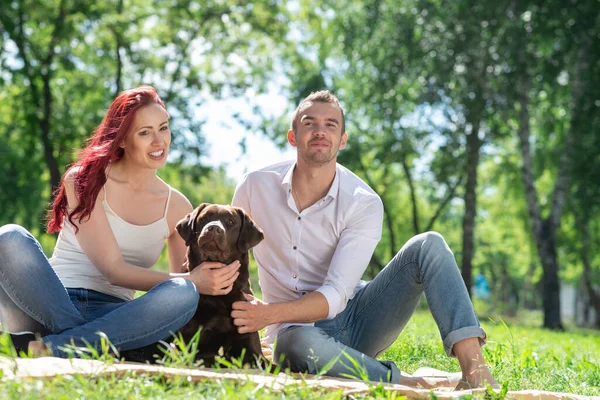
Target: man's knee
pixel 302 349
pixel 435 252
pixel 428 242
pixel 428 247
pixel 434 241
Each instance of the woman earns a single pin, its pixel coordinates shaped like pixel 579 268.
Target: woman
pixel 113 214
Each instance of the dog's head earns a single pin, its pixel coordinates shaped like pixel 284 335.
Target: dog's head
pixel 218 233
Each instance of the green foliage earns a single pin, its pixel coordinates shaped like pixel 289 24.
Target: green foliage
pixel 63 62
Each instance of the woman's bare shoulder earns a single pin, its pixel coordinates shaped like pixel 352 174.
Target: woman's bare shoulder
pixel 179 206
pixel 71 174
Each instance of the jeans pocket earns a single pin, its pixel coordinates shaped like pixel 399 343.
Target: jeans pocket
pixel 79 298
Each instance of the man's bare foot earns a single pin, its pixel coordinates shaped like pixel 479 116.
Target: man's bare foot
pixel 478 378
pixel 475 372
pixel 38 349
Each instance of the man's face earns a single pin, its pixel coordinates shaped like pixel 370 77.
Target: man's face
pixel 318 135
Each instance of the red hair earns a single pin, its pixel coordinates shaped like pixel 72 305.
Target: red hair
pixel 103 148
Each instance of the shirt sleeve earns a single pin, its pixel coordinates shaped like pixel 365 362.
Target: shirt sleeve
pixel 353 253
pixel 241 196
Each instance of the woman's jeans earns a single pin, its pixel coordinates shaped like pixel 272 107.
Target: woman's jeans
pixel 379 311
pixel 33 298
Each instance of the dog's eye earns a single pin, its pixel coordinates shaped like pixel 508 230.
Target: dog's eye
pixel 229 222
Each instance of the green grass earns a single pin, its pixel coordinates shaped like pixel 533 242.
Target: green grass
pixel 520 355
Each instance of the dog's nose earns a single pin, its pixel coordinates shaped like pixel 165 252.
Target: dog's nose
pixel 214 228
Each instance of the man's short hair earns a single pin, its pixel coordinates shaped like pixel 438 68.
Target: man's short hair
pixel 322 96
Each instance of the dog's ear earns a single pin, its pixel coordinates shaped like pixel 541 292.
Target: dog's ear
pixel 250 234
pixel 187 226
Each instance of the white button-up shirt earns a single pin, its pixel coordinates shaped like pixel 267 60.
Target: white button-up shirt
pixel 324 248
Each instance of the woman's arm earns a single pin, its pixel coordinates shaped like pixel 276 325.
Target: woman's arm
pixel 99 244
pixel 179 207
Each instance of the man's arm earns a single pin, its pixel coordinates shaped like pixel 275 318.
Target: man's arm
pixel 253 315
pixel 352 255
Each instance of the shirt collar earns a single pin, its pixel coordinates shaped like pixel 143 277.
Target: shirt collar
pixel 333 190
pixel 287 178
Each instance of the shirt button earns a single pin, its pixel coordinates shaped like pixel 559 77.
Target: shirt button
pixel 295 247
pixel 299 218
pixel 294 276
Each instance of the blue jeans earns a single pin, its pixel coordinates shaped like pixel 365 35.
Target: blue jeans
pixel 379 311
pixel 33 298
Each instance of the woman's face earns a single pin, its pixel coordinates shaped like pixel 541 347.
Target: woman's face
pixel 148 140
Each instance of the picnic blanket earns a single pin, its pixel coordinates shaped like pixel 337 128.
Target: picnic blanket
pixel 47 367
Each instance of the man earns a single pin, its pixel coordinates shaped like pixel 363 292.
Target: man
pixel 321 225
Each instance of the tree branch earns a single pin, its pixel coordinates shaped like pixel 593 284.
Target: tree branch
pixel 447 199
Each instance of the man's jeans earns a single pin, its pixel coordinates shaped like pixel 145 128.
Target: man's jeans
pixel 379 311
pixel 33 298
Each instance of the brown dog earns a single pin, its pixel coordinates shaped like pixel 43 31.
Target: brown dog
pixel 223 234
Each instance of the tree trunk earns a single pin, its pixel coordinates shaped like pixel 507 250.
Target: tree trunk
pixel 544 231
pixel 551 298
pixel 583 226
pixel 119 44
pixel 46 75
pixel 413 196
pixel 43 103
pixel 49 156
pixel 473 145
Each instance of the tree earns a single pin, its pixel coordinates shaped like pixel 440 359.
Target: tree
pixel 545 49
pixel 64 60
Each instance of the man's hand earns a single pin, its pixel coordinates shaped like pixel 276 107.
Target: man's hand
pixel 214 278
pixel 251 315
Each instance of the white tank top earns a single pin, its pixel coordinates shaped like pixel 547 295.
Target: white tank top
pixel 140 245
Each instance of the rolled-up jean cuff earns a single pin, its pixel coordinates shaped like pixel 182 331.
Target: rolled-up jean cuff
pixel 462 334
pixel 395 372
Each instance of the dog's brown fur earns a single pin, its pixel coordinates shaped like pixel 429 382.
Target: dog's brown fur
pixel 223 234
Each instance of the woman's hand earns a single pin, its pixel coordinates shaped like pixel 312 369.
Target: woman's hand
pixel 215 278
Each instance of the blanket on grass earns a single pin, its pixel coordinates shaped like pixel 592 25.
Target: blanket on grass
pixel 47 367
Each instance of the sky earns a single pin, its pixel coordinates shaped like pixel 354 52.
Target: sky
pixel 223 134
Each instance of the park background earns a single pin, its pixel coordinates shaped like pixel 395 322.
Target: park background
pixel 476 119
